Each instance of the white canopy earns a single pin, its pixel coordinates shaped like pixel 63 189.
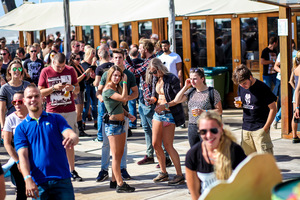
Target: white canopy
pixel 31 17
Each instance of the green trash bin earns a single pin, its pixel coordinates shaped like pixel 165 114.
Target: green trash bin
pixel 218 77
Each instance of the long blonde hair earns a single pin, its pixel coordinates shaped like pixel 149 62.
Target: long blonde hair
pixel 158 65
pixel 109 75
pixel 296 60
pixel 222 166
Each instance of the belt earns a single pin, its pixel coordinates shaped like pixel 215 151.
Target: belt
pixel 116 122
pixel 164 112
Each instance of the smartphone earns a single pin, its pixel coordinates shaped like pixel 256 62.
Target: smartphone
pixel 64 83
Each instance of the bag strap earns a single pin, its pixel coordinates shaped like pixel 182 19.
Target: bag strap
pixel 190 93
pixel 211 97
pixel 114 108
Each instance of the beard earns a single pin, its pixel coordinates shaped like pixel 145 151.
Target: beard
pixel 34 109
pixel 143 55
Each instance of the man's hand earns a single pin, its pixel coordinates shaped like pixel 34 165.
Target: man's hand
pixel 69 87
pixel 31 188
pixel 59 86
pixel 296 114
pixel 68 143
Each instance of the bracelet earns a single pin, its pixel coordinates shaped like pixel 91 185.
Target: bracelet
pixel 167 106
pixel 205 110
pixel 18 162
pixel 73 88
pixel 26 177
pixel 125 82
pixel 84 74
pixel 53 89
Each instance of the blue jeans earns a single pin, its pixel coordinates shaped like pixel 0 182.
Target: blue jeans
pixel 278 115
pixel 106 150
pixel 60 189
pixel 90 94
pixel 269 79
pixel 101 111
pixel 146 115
pixel 132 110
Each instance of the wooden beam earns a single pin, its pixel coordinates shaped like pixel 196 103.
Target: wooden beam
pixel 21 39
pixel 78 33
pixel 42 35
pixel 210 41
pixel 29 37
pixel 135 32
pixel 262 38
pixel 285 68
pixel 186 46
pixel 96 36
pixel 115 33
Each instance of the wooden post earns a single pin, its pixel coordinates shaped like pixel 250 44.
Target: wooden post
pixel 115 33
pixel 210 42
pixel 171 21
pixel 96 36
pixel 21 39
pixel 42 35
pixel 186 46
pixel 67 40
pixel 262 38
pixel 78 32
pixel 135 32
pixel 285 68
pixel 29 37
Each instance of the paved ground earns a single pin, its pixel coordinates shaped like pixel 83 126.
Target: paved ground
pixel 88 157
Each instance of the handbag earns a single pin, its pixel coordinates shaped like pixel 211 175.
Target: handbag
pixel 106 115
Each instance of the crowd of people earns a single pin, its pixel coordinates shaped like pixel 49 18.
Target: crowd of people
pixel 46 98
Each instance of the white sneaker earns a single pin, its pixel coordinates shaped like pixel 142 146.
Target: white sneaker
pixel 274 124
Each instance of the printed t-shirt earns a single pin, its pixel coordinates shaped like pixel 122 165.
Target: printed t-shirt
pixel 269 54
pixel 57 102
pixel 34 69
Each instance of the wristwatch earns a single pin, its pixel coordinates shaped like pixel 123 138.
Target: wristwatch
pixel 53 89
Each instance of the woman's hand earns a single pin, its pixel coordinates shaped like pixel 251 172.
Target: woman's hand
pixel 187 83
pixel 131 117
pixel 124 77
pixel 160 108
pixel 151 100
pixel 196 112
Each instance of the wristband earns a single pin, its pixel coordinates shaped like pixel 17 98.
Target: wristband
pixel 18 162
pixel 73 88
pixel 125 82
pixel 84 74
pixel 26 177
pixel 167 106
pixel 205 110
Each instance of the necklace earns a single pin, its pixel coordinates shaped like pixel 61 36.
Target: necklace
pixel 209 158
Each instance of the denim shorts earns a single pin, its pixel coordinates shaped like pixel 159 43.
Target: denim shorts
pixel 59 189
pixel 114 129
pixel 80 98
pixel 167 117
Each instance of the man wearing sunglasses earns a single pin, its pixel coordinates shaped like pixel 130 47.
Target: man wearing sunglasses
pixel 75 48
pixel 33 66
pixel 259 110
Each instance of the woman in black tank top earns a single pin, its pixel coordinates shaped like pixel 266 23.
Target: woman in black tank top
pixel 79 101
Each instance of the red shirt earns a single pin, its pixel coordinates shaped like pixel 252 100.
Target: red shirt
pixel 58 101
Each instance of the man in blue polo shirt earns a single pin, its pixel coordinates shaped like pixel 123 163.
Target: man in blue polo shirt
pixel 41 140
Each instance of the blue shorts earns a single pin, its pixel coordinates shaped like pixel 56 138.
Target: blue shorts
pixel 114 129
pixel 59 189
pixel 168 118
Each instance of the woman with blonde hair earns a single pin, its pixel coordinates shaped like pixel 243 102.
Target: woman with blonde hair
pixel 113 97
pixel 89 61
pixel 213 158
pixel 168 114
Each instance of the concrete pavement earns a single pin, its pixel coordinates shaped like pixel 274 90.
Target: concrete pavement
pixel 88 158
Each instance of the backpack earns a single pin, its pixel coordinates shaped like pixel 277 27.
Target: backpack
pixel 210 93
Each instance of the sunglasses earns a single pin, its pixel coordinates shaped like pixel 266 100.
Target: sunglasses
pixel 78 59
pixel 77 45
pixel 15 102
pixel 19 68
pixel 212 130
pixel 33 51
pixel 3 54
pixel 154 72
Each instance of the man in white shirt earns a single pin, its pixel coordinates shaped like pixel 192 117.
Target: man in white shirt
pixel 171 60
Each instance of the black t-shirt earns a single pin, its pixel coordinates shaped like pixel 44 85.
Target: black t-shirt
pixel 195 161
pixel 101 68
pixel 34 69
pixel 255 101
pixel 85 66
pixel 269 54
pixel 1 170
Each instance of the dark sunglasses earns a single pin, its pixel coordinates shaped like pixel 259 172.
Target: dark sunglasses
pixel 212 130
pixel 15 102
pixel 154 72
pixel 3 54
pixel 19 68
pixel 33 51
pixel 78 59
pixel 77 45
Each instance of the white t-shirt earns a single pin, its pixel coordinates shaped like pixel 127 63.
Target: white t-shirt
pixel 11 122
pixel 170 61
pixel 294 53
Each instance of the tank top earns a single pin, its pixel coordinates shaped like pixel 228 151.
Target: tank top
pixel 79 73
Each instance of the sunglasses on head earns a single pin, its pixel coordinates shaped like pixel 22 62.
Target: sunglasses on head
pixel 18 101
pixel 154 72
pixel 17 68
pixel 33 51
pixel 3 54
pixel 212 130
pixel 196 69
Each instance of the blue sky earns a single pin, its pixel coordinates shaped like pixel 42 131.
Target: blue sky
pixel 20 2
